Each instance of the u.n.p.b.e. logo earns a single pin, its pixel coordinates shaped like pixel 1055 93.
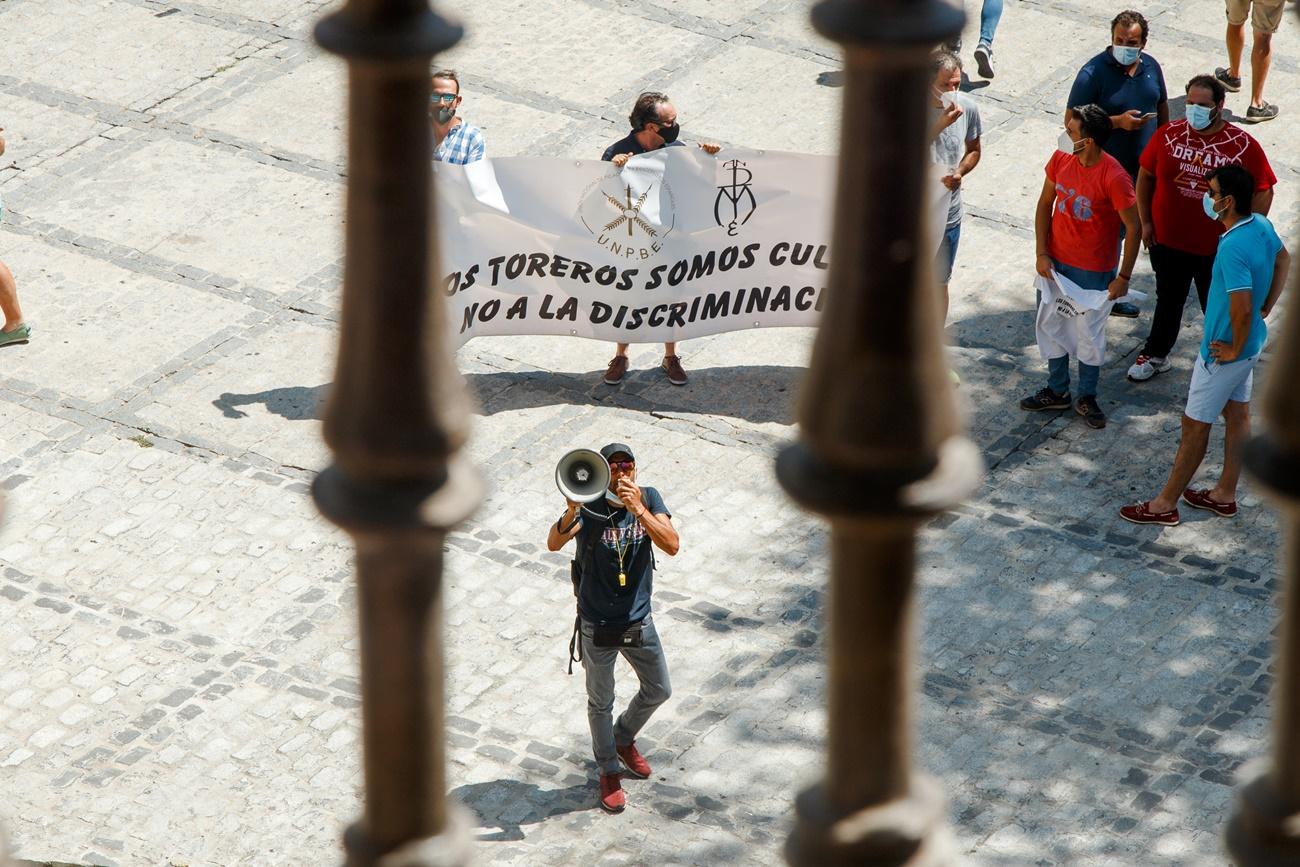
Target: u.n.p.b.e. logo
pixel 627 215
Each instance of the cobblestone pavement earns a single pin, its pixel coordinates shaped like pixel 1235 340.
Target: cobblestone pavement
pixel 179 679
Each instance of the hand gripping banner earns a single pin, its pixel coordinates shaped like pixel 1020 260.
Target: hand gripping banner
pixel 676 244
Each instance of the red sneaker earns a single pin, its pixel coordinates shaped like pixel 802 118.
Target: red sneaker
pixel 1140 513
pixel 635 763
pixel 1200 499
pixel 612 799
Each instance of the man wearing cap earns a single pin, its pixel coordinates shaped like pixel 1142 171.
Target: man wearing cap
pixel 615 536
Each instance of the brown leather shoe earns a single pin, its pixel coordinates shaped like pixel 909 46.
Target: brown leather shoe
pixel 617 368
pixel 673 367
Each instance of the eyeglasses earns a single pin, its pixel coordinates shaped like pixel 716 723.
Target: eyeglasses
pixel 442 97
pixel 622 465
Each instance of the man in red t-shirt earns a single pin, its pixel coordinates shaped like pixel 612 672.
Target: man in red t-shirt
pixel 1085 199
pixel 1181 240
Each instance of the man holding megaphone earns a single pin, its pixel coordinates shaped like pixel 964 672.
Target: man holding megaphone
pixel 617 524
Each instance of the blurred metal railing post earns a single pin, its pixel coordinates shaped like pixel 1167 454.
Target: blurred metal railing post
pixel 880 445
pixel 1265 826
pixel 397 416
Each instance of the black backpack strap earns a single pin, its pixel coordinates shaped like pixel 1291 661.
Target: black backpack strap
pixel 575 643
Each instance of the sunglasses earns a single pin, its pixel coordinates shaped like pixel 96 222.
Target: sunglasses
pixel 622 465
pixel 442 97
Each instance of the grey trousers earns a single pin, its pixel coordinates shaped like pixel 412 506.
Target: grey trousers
pixel 651 670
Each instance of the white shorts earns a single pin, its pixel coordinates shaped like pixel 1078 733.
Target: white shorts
pixel 1214 384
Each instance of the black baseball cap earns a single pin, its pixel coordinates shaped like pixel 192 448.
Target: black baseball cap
pixel 614 448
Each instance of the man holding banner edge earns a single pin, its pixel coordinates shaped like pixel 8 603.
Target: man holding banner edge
pixel 654 126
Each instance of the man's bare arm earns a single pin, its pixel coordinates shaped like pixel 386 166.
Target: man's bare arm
pixel 661 531
pixel 1281 268
pixel 565 528
pixel 1261 201
pixel 1146 192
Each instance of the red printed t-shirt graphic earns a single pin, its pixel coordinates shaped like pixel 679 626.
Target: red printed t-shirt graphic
pixel 1180 158
pixel 1085 215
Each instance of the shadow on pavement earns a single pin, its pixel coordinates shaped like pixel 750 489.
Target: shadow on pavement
pixel 510 804
pixel 755 393
pixel 296 403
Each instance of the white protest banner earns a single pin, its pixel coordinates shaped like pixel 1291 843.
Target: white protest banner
pixel 676 244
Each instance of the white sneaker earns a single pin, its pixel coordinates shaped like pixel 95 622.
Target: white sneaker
pixel 1146 367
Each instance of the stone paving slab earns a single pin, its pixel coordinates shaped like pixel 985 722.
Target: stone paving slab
pixel 135 60
pixel 97 309
pixel 221 213
pixel 180 680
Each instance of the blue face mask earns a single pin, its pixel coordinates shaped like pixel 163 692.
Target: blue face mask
pixel 1127 55
pixel 1198 116
pixel 1207 202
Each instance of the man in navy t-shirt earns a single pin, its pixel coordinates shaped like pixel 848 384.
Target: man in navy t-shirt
pixel 615 537
pixel 654 126
pixel 1129 84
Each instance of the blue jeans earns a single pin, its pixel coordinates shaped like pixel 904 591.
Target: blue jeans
pixel 1058 369
pixel 947 255
pixel 990 15
pixel 651 670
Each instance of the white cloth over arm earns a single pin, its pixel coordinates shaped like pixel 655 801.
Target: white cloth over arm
pixel 1071 320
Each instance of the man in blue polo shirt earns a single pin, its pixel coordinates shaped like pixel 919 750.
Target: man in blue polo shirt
pixel 1250 269
pixel 1129 84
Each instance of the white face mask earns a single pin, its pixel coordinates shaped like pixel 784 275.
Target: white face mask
pixel 1066 145
pixel 1125 55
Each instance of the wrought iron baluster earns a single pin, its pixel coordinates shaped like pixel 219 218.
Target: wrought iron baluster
pixel 1265 827
pixel 396 420
pixel 880 447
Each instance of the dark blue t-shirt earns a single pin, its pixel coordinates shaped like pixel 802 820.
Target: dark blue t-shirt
pixel 600 597
pixel 631 146
pixel 1104 82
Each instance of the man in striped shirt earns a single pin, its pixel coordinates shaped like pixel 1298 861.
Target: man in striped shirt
pixel 454 140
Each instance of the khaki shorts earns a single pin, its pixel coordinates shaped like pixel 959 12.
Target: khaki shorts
pixel 1265 15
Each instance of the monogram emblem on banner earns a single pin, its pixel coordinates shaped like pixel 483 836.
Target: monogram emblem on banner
pixel 737 193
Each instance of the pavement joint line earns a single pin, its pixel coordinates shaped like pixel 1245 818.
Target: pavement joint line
pixel 267 64
pixel 1164 33
pixel 289 161
pixel 1206 744
pixel 123 425
pixel 145 264
pixel 145 120
pixel 219 662
pixel 200 80
pixel 229 663
pixel 1117 737
pixel 212 17
pixel 1241 582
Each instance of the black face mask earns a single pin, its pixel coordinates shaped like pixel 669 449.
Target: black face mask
pixel 669 133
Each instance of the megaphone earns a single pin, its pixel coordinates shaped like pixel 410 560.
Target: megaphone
pixel 582 475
